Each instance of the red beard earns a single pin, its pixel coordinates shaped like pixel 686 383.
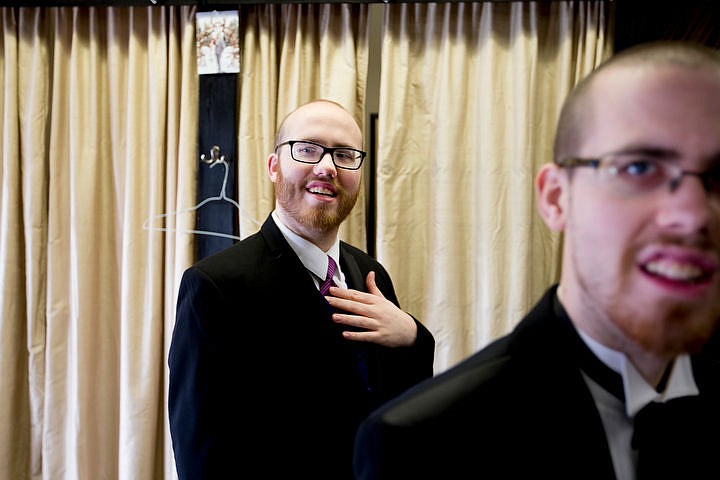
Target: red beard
pixel 322 217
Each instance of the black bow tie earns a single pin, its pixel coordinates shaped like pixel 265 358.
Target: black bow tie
pixel 667 440
pixel 601 374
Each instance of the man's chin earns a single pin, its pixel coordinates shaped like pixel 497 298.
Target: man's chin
pixel 675 336
pixel 330 216
pixel 324 220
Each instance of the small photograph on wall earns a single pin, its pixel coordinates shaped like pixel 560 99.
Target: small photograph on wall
pixel 218 42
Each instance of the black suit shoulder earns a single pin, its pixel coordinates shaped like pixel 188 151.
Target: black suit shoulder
pixel 245 255
pixel 521 393
pixel 451 392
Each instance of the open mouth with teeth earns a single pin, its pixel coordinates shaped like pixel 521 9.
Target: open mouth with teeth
pixel 676 271
pixel 322 191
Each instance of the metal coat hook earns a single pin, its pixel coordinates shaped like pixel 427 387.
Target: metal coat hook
pixel 214 156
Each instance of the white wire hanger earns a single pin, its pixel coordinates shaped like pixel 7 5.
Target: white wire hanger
pixel 215 159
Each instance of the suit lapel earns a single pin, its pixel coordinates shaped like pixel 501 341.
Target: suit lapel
pixel 548 341
pixel 353 276
pixel 285 268
pixel 274 238
pixel 279 248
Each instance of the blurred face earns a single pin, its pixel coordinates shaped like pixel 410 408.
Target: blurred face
pixel 314 199
pixel 641 270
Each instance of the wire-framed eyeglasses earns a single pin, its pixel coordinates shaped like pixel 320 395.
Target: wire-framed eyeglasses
pixel 310 152
pixel 637 174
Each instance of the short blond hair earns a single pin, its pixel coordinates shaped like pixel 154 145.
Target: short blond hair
pixel 570 130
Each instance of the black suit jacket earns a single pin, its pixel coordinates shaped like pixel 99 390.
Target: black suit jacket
pixel 518 409
pixel 260 378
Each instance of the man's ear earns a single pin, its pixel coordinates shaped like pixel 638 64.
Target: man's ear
pixel 551 184
pixel 273 165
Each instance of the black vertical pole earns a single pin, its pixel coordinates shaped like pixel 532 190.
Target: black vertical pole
pixel 371 203
pixel 217 127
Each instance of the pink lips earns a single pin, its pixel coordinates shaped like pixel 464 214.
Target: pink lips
pixel 322 188
pixel 679 267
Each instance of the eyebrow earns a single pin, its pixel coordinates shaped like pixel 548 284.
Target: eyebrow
pixel 325 145
pixel 660 153
pixel 663 153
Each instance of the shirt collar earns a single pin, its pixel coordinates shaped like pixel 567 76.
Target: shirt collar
pixel 309 254
pixel 638 392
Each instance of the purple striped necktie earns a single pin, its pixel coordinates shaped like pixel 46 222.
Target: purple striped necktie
pixel 357 349
pixel 329 277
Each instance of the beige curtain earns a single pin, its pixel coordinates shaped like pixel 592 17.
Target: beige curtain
pixel 469 96
pixel 292 54
pixel 99 132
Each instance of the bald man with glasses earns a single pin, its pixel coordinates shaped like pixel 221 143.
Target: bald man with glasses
pixel 267 378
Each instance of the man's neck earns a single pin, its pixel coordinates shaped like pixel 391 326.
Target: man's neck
pixel 601 329
pixel 323 239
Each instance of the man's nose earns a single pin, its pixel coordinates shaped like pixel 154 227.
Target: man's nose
pixel 326 163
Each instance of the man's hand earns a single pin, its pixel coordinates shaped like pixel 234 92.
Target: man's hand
pixel 382 321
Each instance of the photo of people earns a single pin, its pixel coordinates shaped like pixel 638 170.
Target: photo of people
pixel 217 42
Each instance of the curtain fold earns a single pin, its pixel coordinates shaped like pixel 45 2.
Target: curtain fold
pixel 469 97
pixel 99 124
pixel 18 336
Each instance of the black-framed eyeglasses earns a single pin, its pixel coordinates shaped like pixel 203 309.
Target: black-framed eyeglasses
pixel 311 152
pixel 637 174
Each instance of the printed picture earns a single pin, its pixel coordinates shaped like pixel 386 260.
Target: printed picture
pixel 218 42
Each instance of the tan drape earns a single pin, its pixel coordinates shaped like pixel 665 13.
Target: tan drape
pixel 292 54
pixel 99 123
pixel 469 96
